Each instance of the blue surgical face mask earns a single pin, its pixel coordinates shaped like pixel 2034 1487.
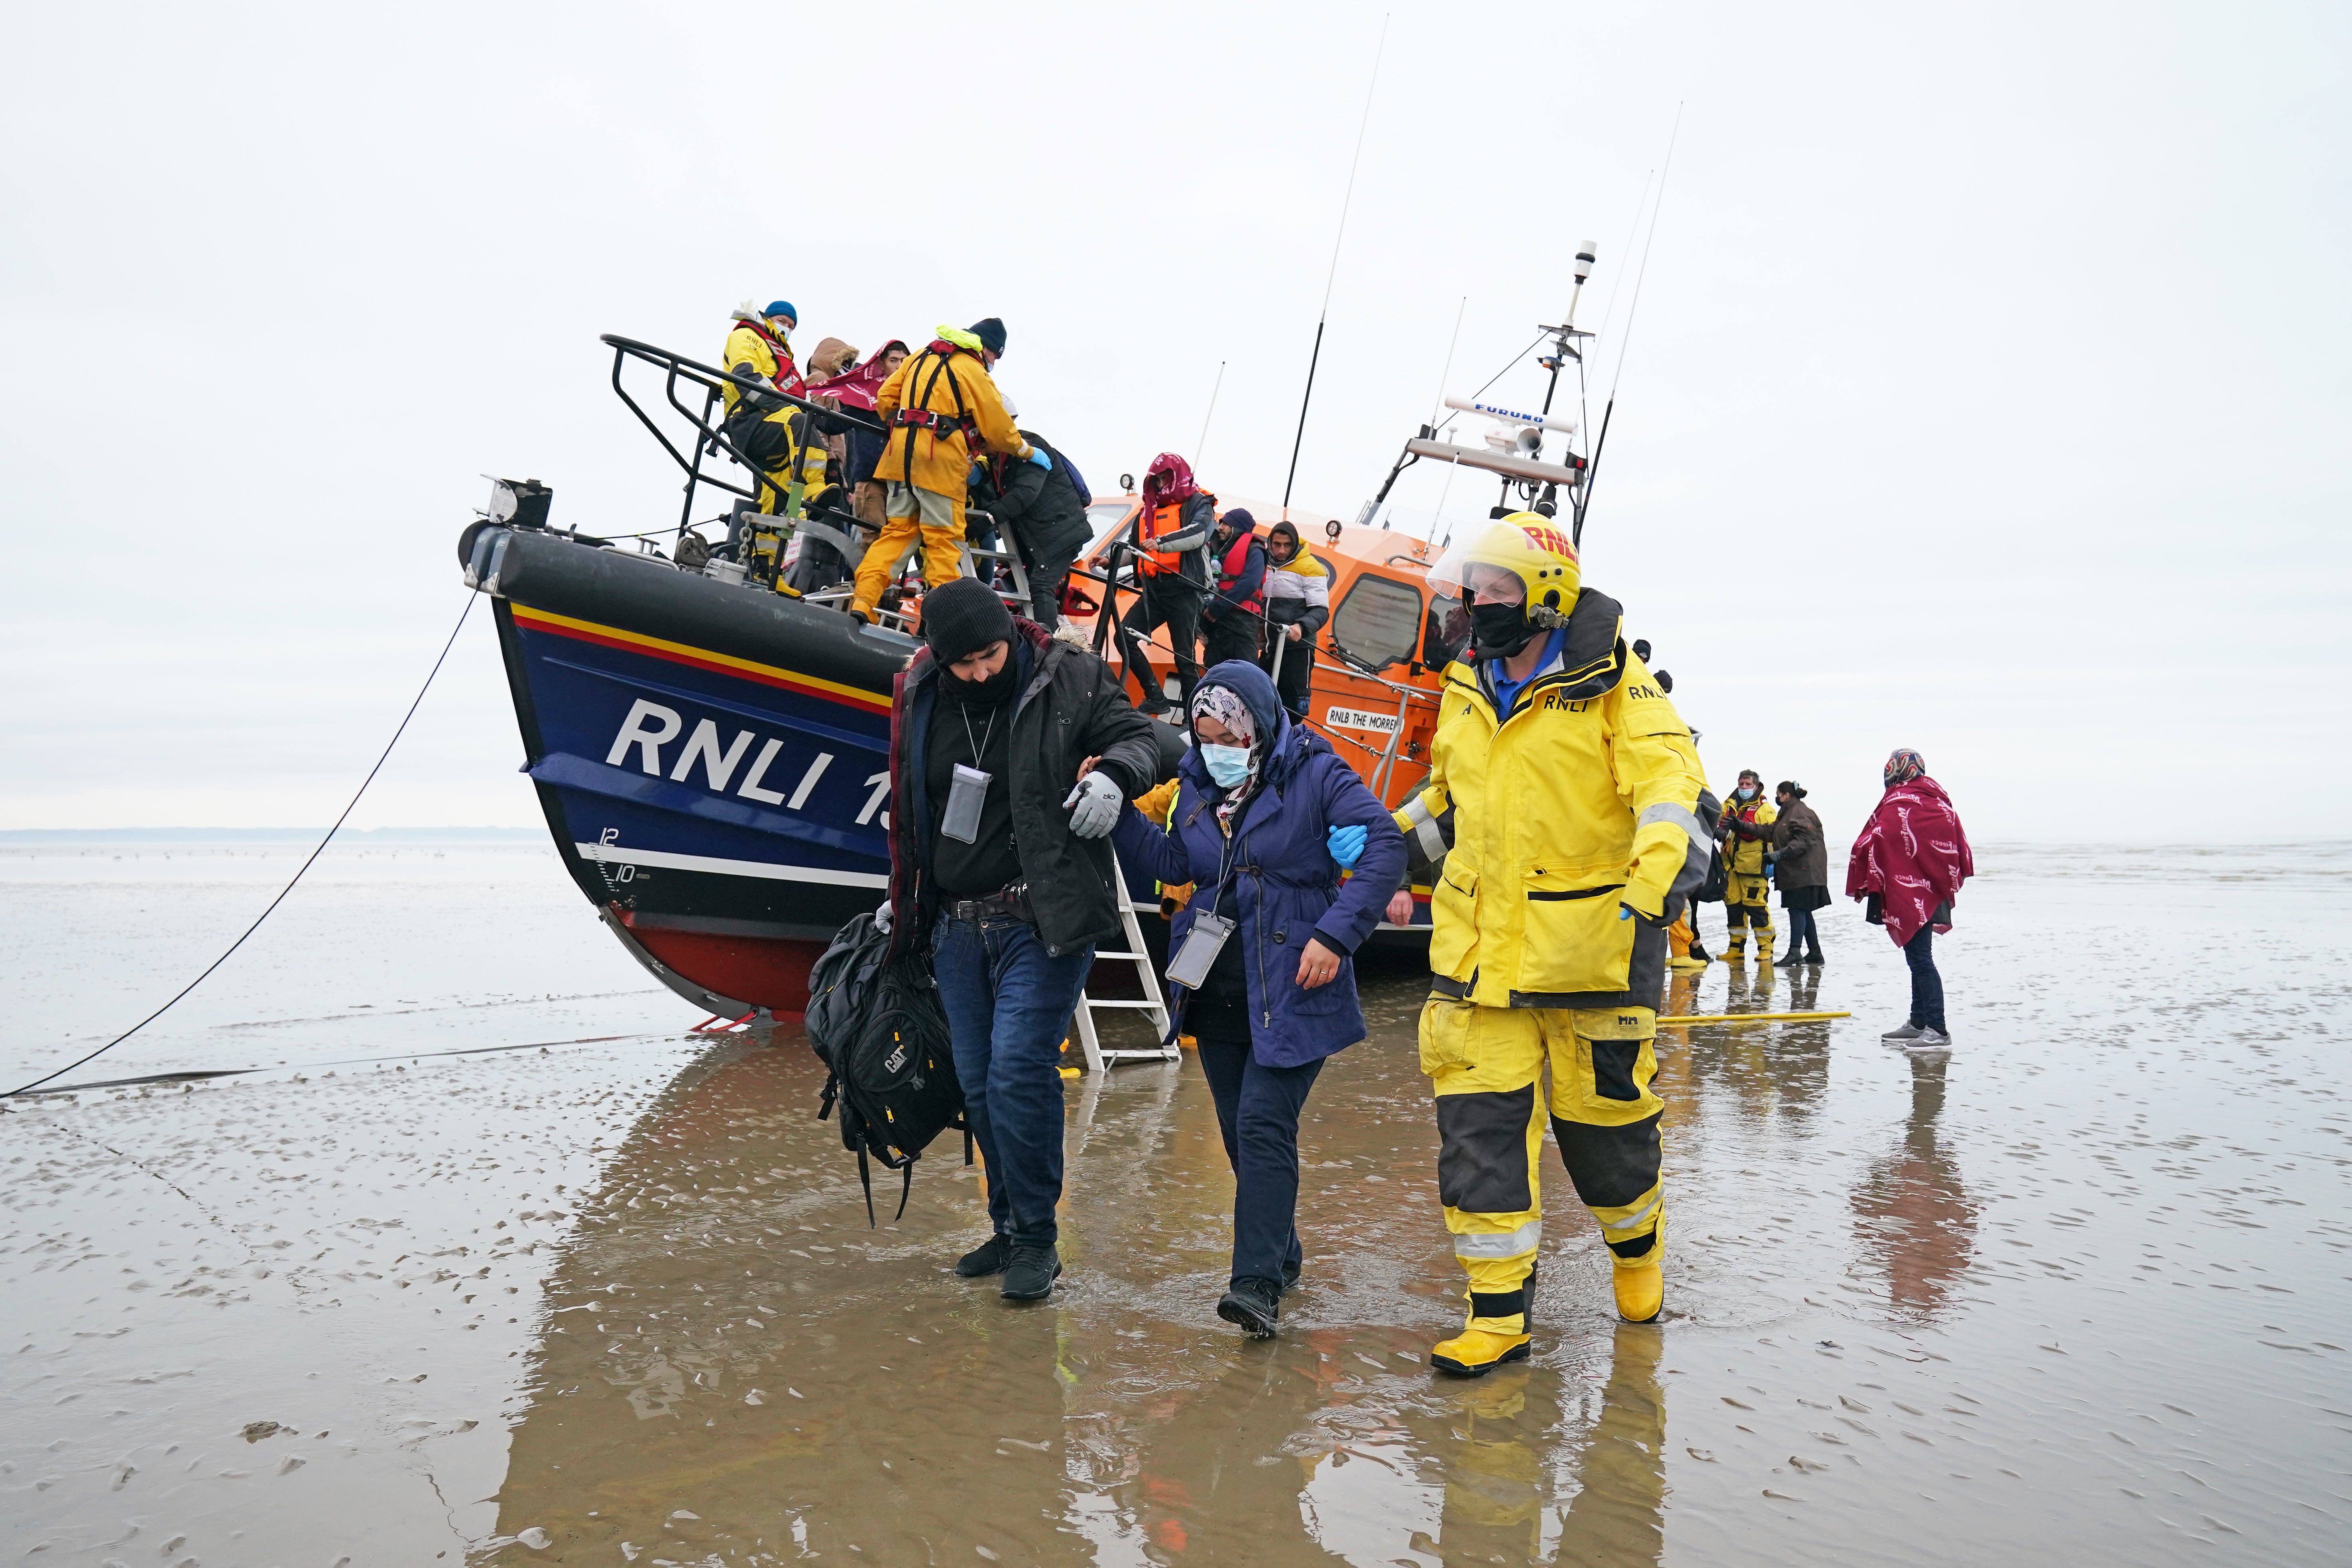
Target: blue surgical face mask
pixel 1229 765
pixel 1744 791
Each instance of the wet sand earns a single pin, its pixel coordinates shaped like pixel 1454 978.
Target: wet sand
pixel 2073 1290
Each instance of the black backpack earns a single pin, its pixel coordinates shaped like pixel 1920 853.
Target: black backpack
pixel 1718 877
pixel 878 1028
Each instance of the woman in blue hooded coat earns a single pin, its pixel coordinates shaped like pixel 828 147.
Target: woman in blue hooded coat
pixel 1264 808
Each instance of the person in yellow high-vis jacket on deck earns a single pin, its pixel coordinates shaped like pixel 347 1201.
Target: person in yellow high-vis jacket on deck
pixel 773 435
pixel 1560 798
pixel 941 407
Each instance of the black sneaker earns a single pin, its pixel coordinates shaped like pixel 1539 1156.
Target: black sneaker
pixel 989 1257
pixel 1030 1273
pixel 1290 1279
pixel 1253 1305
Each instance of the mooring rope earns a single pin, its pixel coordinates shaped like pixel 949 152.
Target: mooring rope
pixel 224 958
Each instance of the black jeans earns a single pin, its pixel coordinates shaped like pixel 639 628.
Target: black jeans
pixel 1168 601
pixel 1297 668
pixel 1804 936
pixel 1233 634
pixel 1048 574
pixel 1926 985
pixel 1257 1113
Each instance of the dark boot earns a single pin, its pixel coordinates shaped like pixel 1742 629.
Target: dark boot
pixel 1290 1279
pixel 987 1258
pixel 1030 1273
pixel 1254 1305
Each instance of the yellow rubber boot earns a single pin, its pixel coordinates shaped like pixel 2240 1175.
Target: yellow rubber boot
pixel 1495 1331
pixel 1766 937
pixel 1641 1291
pixel 1474 1353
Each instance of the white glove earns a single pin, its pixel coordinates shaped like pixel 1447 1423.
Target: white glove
pixel 1093 805
pixel 883 918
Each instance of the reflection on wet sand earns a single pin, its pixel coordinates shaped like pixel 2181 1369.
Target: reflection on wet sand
pixel 735 1368
pixel 1912 1216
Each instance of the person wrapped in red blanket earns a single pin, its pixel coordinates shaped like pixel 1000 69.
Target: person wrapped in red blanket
pixel 1907 864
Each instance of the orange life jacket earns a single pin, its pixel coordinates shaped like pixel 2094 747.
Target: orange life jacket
pixel 1154 522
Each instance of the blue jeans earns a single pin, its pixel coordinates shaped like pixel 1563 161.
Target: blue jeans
pixel 1926 985
pixel 1804 936
pixel 1257 1112
pixel 1008 1005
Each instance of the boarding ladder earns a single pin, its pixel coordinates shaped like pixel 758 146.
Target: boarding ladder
pixel 1152 1007
pixel 976 562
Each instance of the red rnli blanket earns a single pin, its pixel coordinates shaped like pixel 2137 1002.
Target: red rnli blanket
pixel 1912 854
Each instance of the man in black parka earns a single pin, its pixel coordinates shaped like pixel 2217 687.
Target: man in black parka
pixel 1001 868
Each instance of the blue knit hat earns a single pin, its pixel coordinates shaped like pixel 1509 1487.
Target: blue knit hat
pixel 783 307
pixel 991 334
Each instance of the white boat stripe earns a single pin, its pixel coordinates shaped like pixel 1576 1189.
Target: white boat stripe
pixel 621 855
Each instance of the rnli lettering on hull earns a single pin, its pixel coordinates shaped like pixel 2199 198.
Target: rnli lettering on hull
pixel 650 726
pixel 1338 718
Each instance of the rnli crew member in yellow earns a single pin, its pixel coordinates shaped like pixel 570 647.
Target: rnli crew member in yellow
pixel 1297 604
pixel 1745 826
pixel 1559 797
pixel 773 435
pixel 933 404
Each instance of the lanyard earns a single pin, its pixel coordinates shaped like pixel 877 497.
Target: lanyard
pixel 987 734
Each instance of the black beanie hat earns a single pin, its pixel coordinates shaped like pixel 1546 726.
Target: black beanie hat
pixel 991 334
pixel 961 617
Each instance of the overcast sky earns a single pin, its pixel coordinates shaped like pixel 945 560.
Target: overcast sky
pixel 1987 393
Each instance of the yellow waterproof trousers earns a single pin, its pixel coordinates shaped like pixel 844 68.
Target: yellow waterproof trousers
pixel 940 520
pixel 1486 1065
pixel 1745 905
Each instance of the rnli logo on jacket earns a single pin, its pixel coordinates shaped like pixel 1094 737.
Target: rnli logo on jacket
pixel 1338 718
pixel 1555 702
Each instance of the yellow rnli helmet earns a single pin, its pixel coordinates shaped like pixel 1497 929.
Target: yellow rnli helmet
pixel 1525 545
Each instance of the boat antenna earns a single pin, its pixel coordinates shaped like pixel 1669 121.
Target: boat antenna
pixel 1632 308
pixel 1437 403
pixel 1202 445
pixel 1332 275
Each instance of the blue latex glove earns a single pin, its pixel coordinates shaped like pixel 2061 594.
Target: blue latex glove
pixel 1043 458
pixel 1347 846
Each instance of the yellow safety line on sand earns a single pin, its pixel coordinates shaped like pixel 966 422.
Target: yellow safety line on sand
pixel 1750 1018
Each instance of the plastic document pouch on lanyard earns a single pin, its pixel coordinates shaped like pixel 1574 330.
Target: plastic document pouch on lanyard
pixel 1190 965
pixel 961 821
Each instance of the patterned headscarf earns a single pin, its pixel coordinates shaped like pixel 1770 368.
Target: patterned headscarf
pixel 1223 704
pixel 1903 765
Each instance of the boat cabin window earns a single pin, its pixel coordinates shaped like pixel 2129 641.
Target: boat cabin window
pixel 1447 633
pixel 1104 516
pixel 1379 621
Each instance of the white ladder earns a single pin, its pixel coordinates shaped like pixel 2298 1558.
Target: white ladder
pixel 1152 1007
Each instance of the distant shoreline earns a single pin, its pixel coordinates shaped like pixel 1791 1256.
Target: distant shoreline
pixel 38 836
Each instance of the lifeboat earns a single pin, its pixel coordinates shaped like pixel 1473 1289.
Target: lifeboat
pixel 708 731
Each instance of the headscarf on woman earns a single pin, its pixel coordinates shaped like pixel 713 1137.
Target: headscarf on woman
pixel 1223 704
pixel 1912 852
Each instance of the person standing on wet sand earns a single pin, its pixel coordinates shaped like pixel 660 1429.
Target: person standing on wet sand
pixel 1267 816
pixel 1005 872
pixel 1907 864
pixel 1569 782
pixel 1800 868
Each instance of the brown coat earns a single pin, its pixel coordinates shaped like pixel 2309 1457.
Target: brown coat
pixel 1804 856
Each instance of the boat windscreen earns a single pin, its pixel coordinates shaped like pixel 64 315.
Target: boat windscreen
pixel 1379 621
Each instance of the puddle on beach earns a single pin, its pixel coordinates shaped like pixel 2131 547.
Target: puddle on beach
pixel 2073 1290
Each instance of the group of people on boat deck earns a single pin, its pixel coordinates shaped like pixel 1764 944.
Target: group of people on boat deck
pixel 948 442
pixel 1210 586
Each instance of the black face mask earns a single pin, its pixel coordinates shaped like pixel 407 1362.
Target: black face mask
pixel 992 692
pixel 1499 631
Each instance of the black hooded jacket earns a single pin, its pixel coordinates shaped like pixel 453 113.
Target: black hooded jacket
pixel 1070 708
pixel 1038 507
